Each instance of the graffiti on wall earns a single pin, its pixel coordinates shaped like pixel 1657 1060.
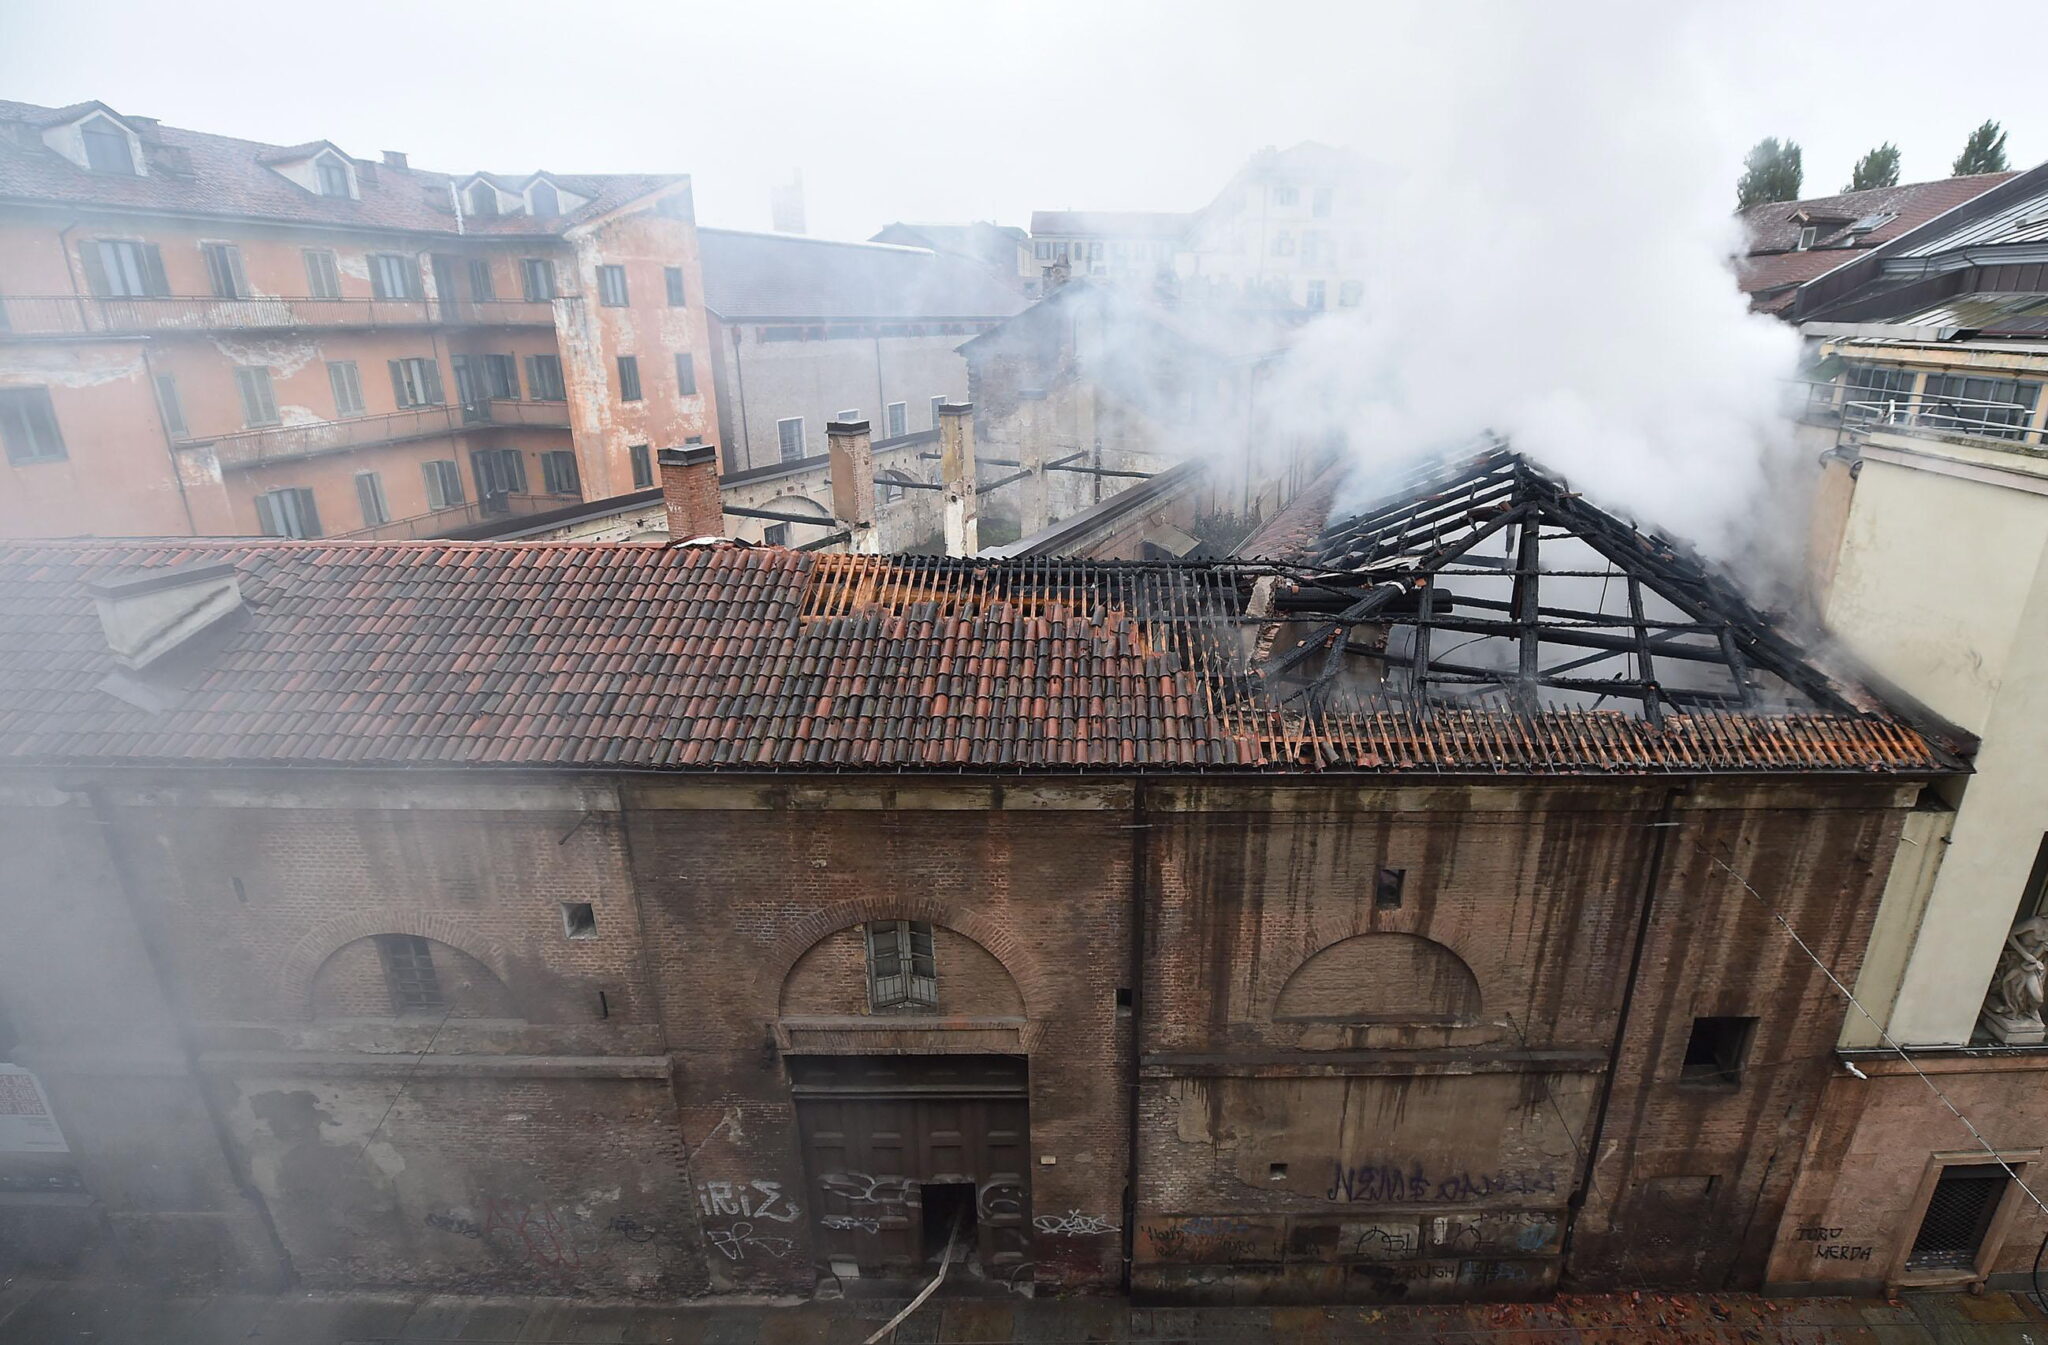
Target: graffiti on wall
pixel 848 1223
pixel 755 1199
pixel 736 1240
pixel 1827 1244
pixel 860 1188
pixel 1378 1183
pixel 1073 1224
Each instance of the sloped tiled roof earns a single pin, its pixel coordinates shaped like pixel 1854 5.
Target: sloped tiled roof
pixel 990 244
pixel 222 176
pixel 591 656
pixel 765 275
pixel 1774 263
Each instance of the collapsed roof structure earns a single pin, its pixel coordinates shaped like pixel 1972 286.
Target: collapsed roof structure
pixel 1586 646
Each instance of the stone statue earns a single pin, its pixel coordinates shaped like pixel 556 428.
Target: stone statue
pixel 2012 1011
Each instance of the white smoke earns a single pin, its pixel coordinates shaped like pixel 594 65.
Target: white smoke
pixel 1552 264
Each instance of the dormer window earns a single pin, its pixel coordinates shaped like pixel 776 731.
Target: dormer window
pixel 543 200
pixel 483 199
pixel 106 148
pixel 1807 235
pixel 333 177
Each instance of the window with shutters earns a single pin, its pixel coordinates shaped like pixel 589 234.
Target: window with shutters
pixel 106 148
pixel 370 495
pixel 499 472
pixel 558 473
pixel 323 274
pixel 538 273
pixel 224 270
pixel 409 972
pixel 117 268
pixel 789 436
pixel 394 275
pixel 288 513
pixel 501 377
pixel 686 374
pixel 643 466
pixel 611 286
pixel 333 176
pixel 482 286
pixel 343 377
pixel 171 404
pixel 259 403
pixel 629 378
pixel 673 277
pixel 444 483
pixel 416 382
pixel 901 974
pixel 1314 296
pixel 898 414
pixel 544 378
pixel 28 426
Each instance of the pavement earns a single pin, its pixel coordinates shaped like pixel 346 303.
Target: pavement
pixel 76 1313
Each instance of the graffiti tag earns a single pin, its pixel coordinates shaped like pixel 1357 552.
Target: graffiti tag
pixel 752 1200
pixel 862 1189
pixel 1817 1234
pixel 1388 1183
pixel 1072 1224
pixel 449 1223
pixel 734 1242
pixel 632 1230
pixel 1833 1252
pixel 847 1223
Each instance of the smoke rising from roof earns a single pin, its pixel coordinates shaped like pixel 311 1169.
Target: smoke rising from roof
pixel 1551 264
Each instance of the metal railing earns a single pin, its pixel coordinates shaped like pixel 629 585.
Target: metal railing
pixel 443 521
pixel 77 315
pixel 277 443
pixel 2008 422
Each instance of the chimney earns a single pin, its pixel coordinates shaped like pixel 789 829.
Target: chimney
pixel 689 489
pixel 853 483
pixel 956 470
pixel 1033 498
pixel 786 206
pixel 395 158
pixel 150 614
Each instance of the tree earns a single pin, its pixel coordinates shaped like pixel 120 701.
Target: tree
pixel 1772 172
pixel 1983 152
pixel 1879 168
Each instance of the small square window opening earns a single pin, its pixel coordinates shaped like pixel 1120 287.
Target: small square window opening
pixel 1714 1053
pixel 579 920
pixel 1386 889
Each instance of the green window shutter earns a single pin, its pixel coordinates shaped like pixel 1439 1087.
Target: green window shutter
pixel 398 385
pixel 95 268
pixel 432 368
pixel 153 270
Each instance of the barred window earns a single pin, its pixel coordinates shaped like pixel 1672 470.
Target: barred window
pixel 901 972
pixel 409 971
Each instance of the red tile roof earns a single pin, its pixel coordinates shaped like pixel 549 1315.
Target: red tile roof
pixel 591 656
pixel 223 176
pixel 1773 264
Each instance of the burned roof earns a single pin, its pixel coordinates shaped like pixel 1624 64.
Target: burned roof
pixel 1488 583
pixel 732 658
pixel 195 173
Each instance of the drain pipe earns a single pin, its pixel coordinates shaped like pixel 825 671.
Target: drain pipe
pixel 1652 877
pixel 1141 855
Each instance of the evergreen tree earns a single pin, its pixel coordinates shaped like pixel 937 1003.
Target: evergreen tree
pixel 1879 168
pixel 1771 172
pixel 1983 152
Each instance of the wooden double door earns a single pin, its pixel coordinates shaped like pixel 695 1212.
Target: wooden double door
pixel 906 1152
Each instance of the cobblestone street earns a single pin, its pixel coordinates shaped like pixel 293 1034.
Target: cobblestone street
pixel 34 1313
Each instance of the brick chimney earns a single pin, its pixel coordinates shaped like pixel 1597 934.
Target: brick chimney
pixel 1034 507
pixel 689 490
pixel 956 470
pixel 853 483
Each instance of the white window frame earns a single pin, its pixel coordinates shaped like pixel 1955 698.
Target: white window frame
pixel 782 438
pixel 896 419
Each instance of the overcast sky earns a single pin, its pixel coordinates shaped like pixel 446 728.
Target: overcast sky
pixel 895 109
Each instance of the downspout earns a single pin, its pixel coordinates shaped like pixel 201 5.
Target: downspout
pixel 1141 856
pixel 170 442
pixel 152 950
pixel 739 377
pixel 1653 876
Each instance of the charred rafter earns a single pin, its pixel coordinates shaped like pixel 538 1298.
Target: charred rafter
pixel 1675 634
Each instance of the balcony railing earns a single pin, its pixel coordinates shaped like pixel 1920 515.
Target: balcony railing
pixel 2004 421
pixel 277 443
pixel 74 315
pixel 443 521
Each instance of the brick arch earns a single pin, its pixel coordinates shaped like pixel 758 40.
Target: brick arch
pixel 302 964
pixel 998 941
pixel 1442 984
